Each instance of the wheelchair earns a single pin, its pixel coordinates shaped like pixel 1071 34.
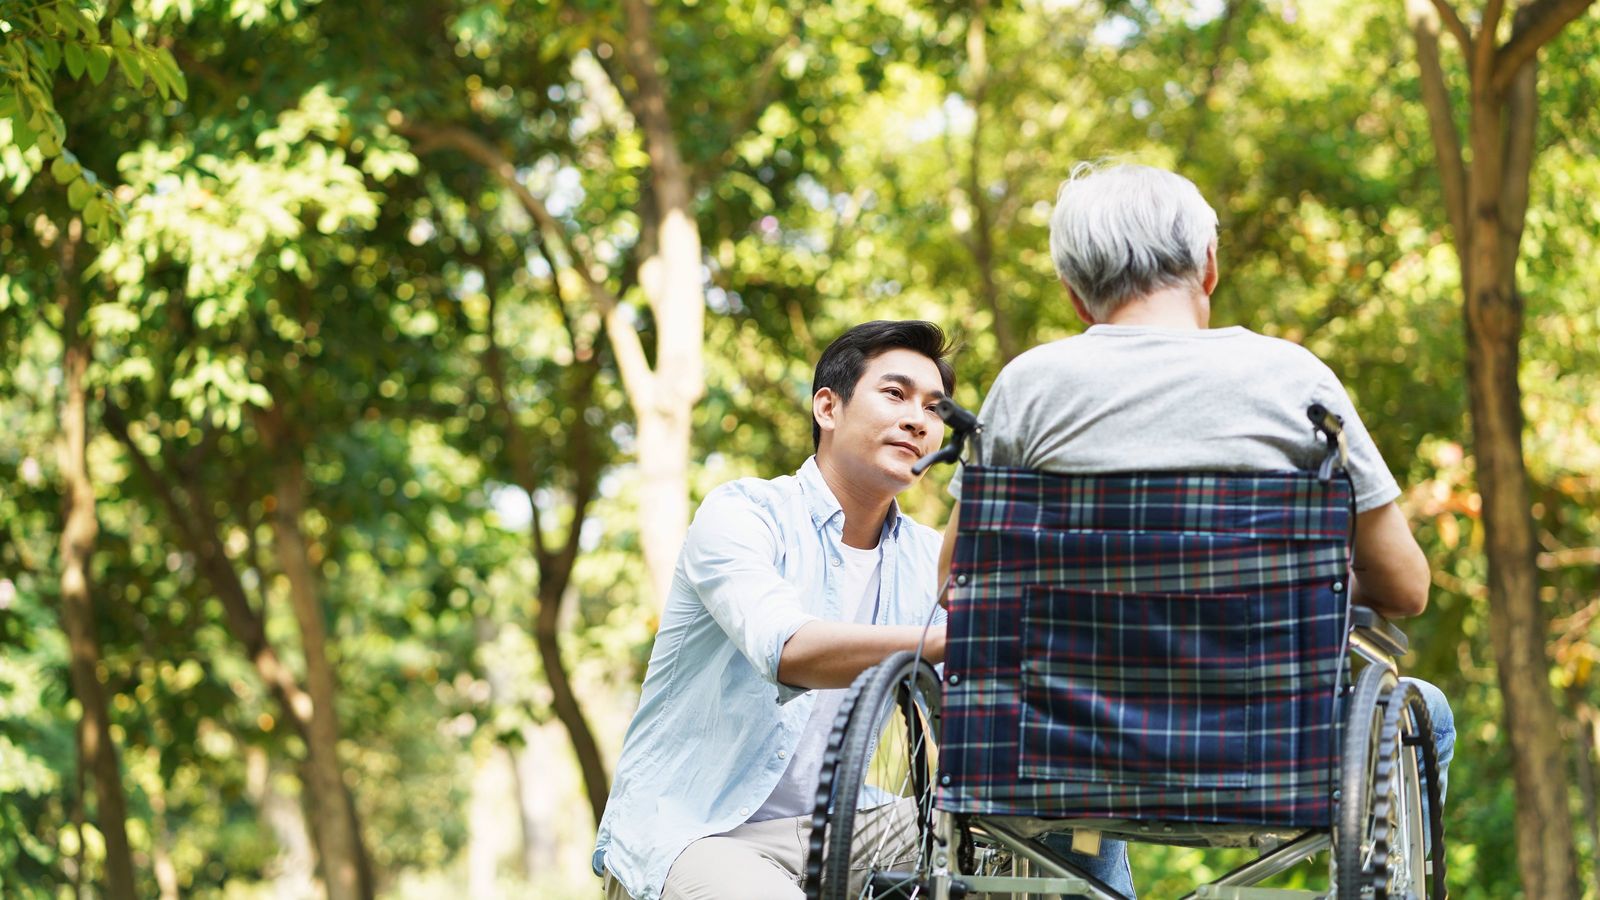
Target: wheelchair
pixel 1157 657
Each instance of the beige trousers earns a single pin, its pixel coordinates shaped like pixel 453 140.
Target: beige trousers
pixel 765 860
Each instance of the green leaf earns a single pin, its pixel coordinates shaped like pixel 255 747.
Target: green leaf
pixel 94 212
pixel 65 168
pixel 132 67
pixel 99 63
pixel 164 60
pixel 76 61
pixel 21 134
pixel 50 54
pixel 120 36
pixel 79 193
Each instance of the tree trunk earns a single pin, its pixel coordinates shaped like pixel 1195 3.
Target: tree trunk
pixel 564 700
pixel 161 839
pixel 78 533
pixel 1487 205
pixel 293 871
pixel 1516 621
pixel 579 457
pixel 981 243
pixel 336 825
pixel 663 404
pixel 538 848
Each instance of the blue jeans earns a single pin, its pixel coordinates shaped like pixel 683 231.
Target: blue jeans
pixel 1111 866
pixel 1444 741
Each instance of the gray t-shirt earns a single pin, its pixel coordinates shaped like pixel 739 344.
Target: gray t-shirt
pixel 1123 398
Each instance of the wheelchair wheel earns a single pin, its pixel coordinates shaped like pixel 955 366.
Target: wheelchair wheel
pixel 875 791
pixel 1366 767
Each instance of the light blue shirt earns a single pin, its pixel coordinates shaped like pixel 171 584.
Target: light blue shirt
pixel 715 729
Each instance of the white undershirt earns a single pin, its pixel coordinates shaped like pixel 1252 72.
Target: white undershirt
pixel 859 576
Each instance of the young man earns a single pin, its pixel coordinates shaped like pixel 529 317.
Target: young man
pixel 785 591
pixel 1151 386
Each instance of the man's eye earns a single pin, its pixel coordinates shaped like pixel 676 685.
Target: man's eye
pixel 894 392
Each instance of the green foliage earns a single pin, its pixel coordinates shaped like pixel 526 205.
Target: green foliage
pixel 289 264
pixel 44 40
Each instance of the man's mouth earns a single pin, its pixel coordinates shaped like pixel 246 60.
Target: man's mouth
pixel 908 447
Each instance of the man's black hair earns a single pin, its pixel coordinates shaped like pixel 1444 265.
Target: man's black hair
pixel 846 358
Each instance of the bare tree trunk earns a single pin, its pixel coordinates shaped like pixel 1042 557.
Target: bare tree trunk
pixel 981 243
pixel 664 403
pixel 161 840
pixel 579 457
pixel 538 849
pixel 337 827
pixel 487 842
pixel 79 530
pixel 293 872
pixel 200 533
pixel 1487 204
pixel 1588 723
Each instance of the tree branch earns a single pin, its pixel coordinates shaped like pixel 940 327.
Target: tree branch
pixel 1441 121
pixel 1457 27
pixel 1536 24
pixel 1481 59
pixel 198 534
pixel 1521 122
pixel 637 377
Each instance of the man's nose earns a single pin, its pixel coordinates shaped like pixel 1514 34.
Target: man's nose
pixel 917 425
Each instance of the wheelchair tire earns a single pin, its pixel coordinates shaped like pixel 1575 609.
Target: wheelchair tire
pixel 884 738
pixel 1364 752
pixel 1421 738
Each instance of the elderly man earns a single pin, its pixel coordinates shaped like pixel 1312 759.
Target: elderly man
pixel 1151 386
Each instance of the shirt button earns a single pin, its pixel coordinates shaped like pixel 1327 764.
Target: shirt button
pixel 836 560
pixel 744 810
pixel 783 754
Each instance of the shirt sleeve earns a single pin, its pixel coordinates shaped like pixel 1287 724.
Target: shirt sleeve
pixel 996 444
pixel 731 558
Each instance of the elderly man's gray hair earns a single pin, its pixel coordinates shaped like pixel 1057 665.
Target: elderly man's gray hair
pixel 1124 231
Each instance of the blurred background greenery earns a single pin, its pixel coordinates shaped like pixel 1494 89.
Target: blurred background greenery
pixel 363 361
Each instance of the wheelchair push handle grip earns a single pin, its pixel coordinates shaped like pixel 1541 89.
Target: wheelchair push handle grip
pixel 961 421
pixel 963 424
pixel 1330 426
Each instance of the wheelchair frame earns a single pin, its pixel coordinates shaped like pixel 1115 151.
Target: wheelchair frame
pixel 1377 841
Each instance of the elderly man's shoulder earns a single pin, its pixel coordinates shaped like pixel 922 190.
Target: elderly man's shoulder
pixel 1275 349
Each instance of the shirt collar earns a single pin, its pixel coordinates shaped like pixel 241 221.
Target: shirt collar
pixel 824 506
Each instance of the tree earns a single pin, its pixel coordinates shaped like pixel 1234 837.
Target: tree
pixel 1485 185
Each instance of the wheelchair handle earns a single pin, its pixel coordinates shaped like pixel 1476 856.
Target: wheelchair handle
pixel 1331 427
pixel 963 424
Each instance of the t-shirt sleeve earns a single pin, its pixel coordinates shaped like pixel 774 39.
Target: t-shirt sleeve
pixel 1374 483
pixel 999 442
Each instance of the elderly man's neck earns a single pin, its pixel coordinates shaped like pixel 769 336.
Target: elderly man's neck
pixel 1184 307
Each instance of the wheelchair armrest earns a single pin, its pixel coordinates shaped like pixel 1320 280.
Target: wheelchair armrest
pixel 1379 630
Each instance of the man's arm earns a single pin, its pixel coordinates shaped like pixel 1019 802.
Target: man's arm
pixel 826 654
pixel 947 553
pixel 1389 572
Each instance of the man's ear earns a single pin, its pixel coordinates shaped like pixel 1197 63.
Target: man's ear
pixel 825 404
pixel 1078 305
pixel 1209 280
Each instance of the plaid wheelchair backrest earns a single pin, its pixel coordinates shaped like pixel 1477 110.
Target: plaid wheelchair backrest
pixel 1146 646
